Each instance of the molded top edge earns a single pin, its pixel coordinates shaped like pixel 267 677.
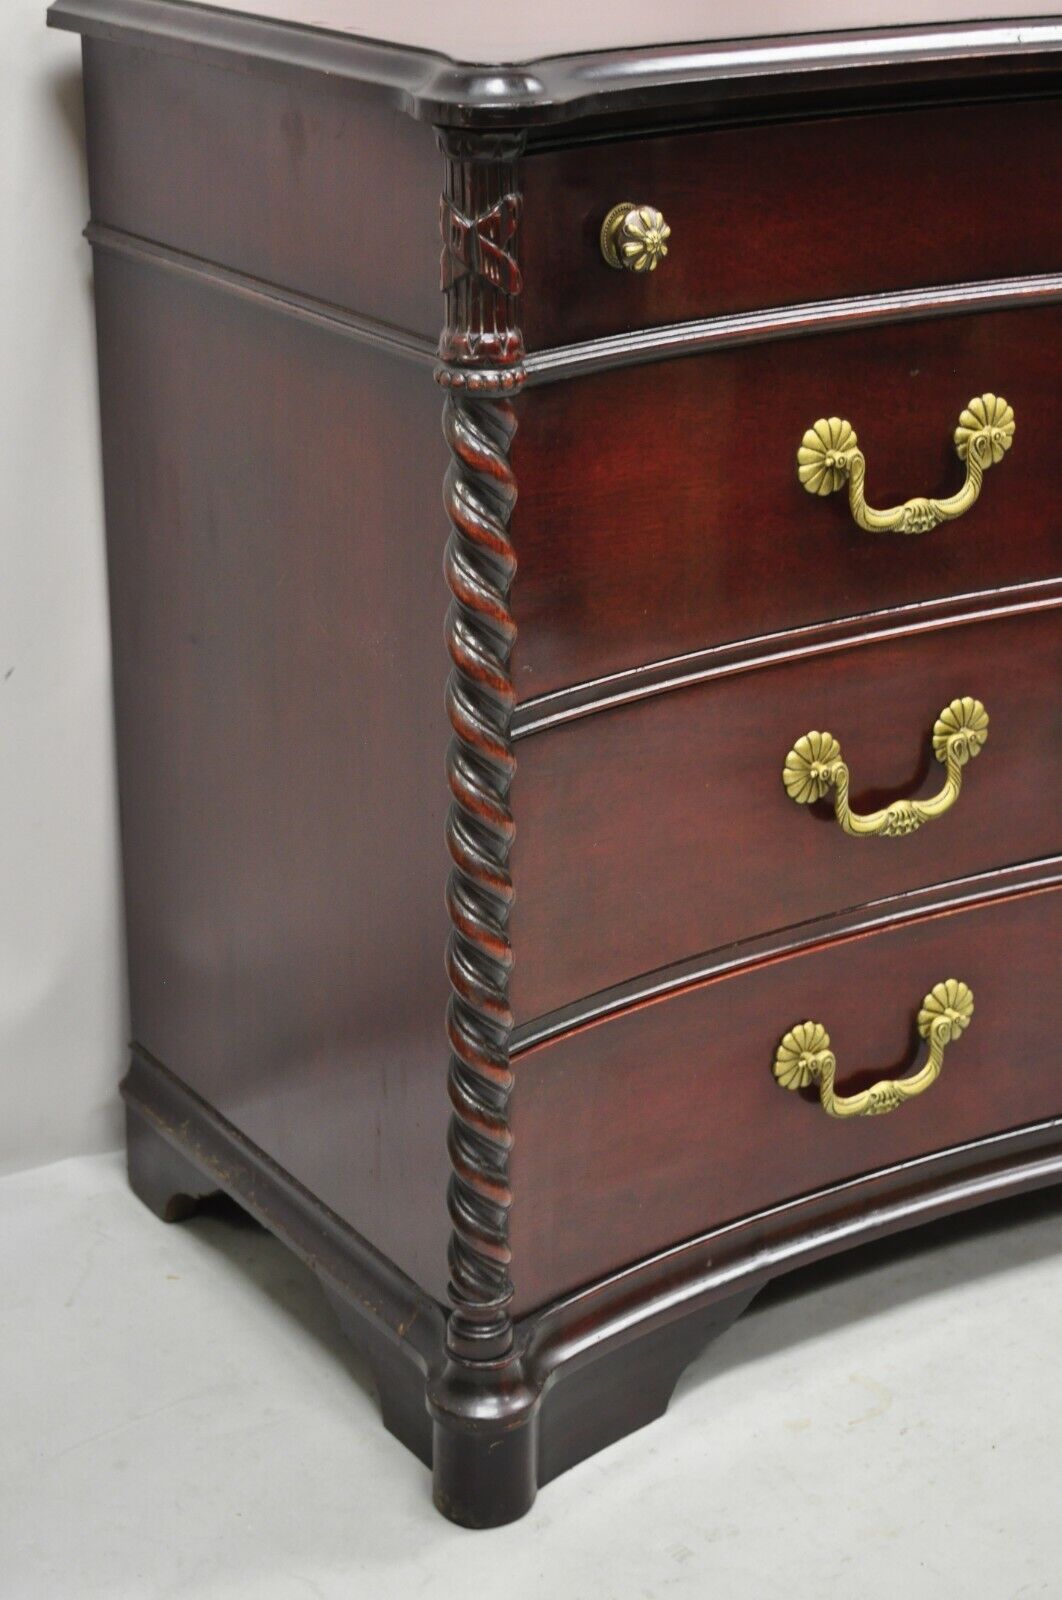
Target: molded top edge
pixel 449 89
pixel 481 35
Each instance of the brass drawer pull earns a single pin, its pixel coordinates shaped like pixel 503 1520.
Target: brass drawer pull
pixel 804 1056
pixel 815 765
pixel 634 237
pixel 829 454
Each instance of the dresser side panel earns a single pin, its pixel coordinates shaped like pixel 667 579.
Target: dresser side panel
pixel 313 184
pixel 275 537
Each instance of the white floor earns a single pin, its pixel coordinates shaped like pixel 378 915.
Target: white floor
pixel 181 1418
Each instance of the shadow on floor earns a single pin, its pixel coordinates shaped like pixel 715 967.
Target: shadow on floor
pixel 913 1265
pixel 251 1250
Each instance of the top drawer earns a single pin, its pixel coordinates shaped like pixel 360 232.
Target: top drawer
pixel 791 212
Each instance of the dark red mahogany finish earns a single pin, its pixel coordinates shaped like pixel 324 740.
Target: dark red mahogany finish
pixel 752 225
pixel 665 796
pixel 622 565
pixel 267 909
pixel 668 1112
pixel 533 1213
pixel 255 183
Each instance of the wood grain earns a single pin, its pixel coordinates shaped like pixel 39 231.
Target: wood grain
pixel 267 295
pixel 701 533
pixel 301 184
pixel 793 211
pixel 651 832
pixel 668 1116
pixel 279 673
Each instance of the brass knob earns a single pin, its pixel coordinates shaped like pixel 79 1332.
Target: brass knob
pixel 634 237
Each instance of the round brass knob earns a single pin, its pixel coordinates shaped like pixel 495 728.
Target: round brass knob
pixel 634 238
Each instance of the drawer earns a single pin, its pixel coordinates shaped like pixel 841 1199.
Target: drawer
pixel 665 1120
pixel 652 831
pixel 792 212
pixel 660 511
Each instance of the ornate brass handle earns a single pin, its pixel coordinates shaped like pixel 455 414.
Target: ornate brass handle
pixel 634 237
pixel 815 765
pixel 804 1056
pixel 829 454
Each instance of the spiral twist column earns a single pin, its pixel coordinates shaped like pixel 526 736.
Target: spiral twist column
pixel 480 493
pixel 480 366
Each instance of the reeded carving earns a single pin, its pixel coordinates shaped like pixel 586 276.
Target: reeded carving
pixel 480 355
pixel 482 347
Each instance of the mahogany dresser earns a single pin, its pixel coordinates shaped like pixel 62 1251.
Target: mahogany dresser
pixel 588 857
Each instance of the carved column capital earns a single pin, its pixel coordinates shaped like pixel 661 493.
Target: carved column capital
pixel 482 348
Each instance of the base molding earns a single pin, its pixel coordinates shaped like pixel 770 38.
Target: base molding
pixel 584 1371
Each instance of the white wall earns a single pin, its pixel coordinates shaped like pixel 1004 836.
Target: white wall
pixel 62 1005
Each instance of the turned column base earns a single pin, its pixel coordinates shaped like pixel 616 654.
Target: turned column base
pixel 491 1432
pixel 502 1429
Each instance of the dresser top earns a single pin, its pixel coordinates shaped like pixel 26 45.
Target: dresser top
pixel 474 32
pixel 467 62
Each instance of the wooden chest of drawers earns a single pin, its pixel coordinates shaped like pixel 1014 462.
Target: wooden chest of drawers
pixel 549 942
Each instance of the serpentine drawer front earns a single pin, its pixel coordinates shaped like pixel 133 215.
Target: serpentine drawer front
pixel 584 589
pixel 785 214
pixel 701 534
pixel 672 1112
pixel 682 828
